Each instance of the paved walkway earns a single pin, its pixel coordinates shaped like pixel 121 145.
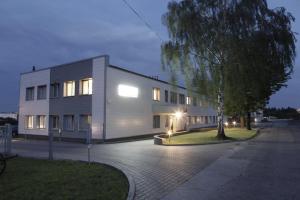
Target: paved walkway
pixel 264 168
pixel 157 170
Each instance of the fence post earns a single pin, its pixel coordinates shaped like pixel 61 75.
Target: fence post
pixel 8 137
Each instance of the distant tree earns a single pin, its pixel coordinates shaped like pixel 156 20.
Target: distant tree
pixel 210 42
pixel 282 113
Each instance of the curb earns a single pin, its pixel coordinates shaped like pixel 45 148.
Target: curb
pixel 209 143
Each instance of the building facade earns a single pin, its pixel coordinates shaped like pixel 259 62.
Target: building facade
pixel 92 96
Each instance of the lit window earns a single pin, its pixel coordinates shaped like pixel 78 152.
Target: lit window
pixel 128 91
pixel 173 97
pixel 42 92
pixel 85 122
pixel 30 94
pixel 69 88
pixel 156 121
pixel 188 100
pixel 181 98
pixel 40 122
pixel 86 86
pixel 29 122
pixel 69 122
pixel 54 122
pixel 156 94
pixel 54 90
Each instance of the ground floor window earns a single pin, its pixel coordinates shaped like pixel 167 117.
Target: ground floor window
pixel 29 122
pixel 69 122
pixel 41 121
pixel 85 122
pixel 54 122
pixel 156 121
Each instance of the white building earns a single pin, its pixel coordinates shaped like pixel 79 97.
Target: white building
pixel 114 102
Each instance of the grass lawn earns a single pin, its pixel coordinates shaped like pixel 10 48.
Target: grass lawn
pixel 26 178
pixel 207 137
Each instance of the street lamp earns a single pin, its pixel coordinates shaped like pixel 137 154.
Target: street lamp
pixel 169 134
pixel 226 124
pixel 178 114
pixel 234 123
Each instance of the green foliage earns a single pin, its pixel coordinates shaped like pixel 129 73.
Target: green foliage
pixel 237 47
pixel 282 113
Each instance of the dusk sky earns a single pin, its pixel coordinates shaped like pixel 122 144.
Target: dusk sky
pixel 45 33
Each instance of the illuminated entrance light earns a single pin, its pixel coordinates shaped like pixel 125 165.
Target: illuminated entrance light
pixel 128 91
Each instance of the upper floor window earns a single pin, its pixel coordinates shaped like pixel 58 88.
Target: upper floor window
pixel 166 96
pixel 156 94
pixel 156 121
pixel 188 100
pixel 85 122
pixel 29 93
pixel 181 98
pixel 194 101
pixel 69 88
pixel 54 90
pixel 29 122
pixel 41 121
pixel 173 97
pixel 42 92
pixel 86 86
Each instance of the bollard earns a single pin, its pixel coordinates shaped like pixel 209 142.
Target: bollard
pixel 89 153
pixel 50 145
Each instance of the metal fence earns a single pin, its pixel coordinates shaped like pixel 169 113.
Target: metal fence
pixel 5 139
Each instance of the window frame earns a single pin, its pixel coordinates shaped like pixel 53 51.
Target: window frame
pixel 181 99
pixel 173 97
pixel 27 121
pixel 38 122
pixel 166 96
pixel 51 122
pixel 156 94
pixel 156 121
pixel 54 86
pixel 89 85
pixel 73 122
pixel 66 89
pixel 33 93
pixel 89 119
pixel 39 92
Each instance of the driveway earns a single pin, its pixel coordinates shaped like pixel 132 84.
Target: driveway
pixel 264 168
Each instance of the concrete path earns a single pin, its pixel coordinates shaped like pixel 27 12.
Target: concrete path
pixel 267 167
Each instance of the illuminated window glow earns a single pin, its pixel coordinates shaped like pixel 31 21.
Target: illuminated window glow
pixel 69 88
pixel 156 94
pixel 86 86
pixel 128 91
pixel 29 122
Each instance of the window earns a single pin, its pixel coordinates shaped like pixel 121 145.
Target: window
pixel 86 86
pixel 85 122
pixel 156 121
pixel 181 98
pixel 40 121
pixel 69 88
pixel 69 122
pixel 42 92
pixel 128 91
pixel 166 96
pixel 29 122
pixel 173 97
pixel 54 90
pixel 188 100
pixel 54 122
pixel 30 94
pixel 156 94
pixel 194 101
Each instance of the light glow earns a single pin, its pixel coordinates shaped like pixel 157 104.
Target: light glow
pixel 169 133
pixel 234 123
pixel 178 114
pixel 128 91
pixel 226 124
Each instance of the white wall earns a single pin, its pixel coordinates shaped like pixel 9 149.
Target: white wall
pixel 98 96
pixel 35 107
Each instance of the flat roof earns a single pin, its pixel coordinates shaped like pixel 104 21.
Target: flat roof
pixel 112 66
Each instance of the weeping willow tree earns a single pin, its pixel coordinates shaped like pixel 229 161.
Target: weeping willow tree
pixel 209 40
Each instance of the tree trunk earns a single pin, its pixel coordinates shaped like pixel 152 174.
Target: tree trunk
pixel 221 133
pixel 248 120
pixel 242 121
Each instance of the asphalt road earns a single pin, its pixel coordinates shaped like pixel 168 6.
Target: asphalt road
pixel 266 167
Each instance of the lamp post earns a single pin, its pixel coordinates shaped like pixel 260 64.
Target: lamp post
pixel 234 123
